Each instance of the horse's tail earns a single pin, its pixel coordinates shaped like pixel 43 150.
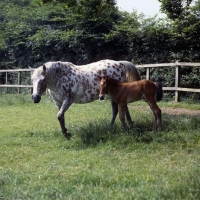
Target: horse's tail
pixel 131 71
pixel 159 94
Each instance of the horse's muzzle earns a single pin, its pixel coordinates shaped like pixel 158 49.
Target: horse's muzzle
pixel 36 98
pixel 101 97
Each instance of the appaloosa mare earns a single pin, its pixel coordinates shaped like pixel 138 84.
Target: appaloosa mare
pixel 124 93
pixel 68 83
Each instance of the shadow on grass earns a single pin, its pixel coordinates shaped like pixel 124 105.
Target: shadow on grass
pixel 175 129
pixel 96 132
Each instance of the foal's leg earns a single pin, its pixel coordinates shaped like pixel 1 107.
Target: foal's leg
pixel 157 114
pixel 159 118
pixel 128 116
pixel 122 108
pixel 115 111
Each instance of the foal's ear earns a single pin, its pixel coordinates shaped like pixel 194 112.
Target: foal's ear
pixel 106 77
pixel 99 77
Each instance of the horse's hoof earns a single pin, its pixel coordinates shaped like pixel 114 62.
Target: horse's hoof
pixel 68 135
pixel 130 122
pixel 111 124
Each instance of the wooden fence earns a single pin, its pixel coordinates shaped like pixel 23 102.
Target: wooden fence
pixel 19 79
pixel 177 89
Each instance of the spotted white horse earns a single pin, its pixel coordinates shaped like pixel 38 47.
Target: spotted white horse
pixel 68 83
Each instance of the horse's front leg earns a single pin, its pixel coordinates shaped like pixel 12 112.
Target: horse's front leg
pixel 61 118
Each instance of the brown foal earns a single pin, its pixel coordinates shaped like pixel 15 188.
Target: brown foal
pixel 123 93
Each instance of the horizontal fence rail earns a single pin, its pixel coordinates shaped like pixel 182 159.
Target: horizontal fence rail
pixel 177 89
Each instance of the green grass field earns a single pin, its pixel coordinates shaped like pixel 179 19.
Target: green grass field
pixel 99 162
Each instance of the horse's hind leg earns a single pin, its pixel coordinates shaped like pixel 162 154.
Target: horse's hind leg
pixel 114 111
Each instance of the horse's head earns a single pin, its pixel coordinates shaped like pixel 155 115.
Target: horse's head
pixel 103 87
pixel 39 83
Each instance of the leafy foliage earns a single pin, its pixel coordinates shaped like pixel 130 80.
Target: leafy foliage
pixel 35 31
pixel 174 8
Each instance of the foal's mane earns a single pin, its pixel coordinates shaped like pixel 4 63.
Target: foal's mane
pixel 113 80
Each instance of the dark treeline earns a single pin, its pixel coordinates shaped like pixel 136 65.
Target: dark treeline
pixel 82 31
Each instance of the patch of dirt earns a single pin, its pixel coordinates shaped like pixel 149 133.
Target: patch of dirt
pixel 180 111
pixel 172 111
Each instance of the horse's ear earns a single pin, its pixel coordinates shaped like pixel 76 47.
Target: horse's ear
pixel 32 70
pixel 44 68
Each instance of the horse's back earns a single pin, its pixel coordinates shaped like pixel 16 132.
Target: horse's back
pixel 80 82
pixel 147 85
pixel 150 89
pixel 154 88
pixel 119 70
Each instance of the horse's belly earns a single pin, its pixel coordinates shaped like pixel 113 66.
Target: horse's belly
pixel 133 98
pixel 86 98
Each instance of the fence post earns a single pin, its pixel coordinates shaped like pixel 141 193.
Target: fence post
pixel 6 82
pixel 177 83
pixel 148 73
pixel 31 87
pixel 19 81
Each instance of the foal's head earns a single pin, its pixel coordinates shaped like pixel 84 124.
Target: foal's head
pixel 39 83
pixel 103 87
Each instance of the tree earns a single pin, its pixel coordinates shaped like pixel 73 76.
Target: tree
pixel 186 34
pixel 37 31
pixel 174 8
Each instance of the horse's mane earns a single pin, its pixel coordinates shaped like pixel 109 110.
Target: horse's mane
pixel 131 71
pixel 52 67
pixel 112 79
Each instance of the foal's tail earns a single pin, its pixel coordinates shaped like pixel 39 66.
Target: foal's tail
pixel 159 94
